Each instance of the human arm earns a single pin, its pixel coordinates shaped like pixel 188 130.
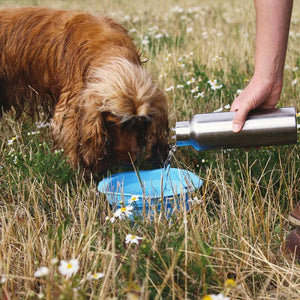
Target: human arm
pixel 272 30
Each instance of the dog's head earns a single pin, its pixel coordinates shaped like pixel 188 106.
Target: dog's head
pixel 122 112
pixel 125 138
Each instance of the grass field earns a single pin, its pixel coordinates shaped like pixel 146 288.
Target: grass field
pixel 49 214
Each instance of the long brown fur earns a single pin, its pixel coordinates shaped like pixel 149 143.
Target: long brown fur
pixel 85 73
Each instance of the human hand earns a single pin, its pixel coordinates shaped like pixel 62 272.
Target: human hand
pixel 258 93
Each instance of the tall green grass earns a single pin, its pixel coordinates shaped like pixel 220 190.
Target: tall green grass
pixel 238 221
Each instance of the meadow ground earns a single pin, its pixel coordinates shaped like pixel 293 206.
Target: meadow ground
pixel 49 214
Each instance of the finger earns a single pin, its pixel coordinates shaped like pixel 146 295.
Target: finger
pixel 239 119
pixel 235 105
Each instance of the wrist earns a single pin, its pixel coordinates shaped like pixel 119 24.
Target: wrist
pixel 269 80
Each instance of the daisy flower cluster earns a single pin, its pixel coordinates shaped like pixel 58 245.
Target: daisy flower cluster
pixel 121 213
pixel 13 155
pixel 194 201
pixel 152 34
pixel 214 84
pixel 41 124
pixel 293 34
pixel 222 108
pixel 67 268
pixel 125 211
pixel 189 82
pixel 12 140
pixel 186 16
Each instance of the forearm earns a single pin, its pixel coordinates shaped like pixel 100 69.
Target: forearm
pixel 272 29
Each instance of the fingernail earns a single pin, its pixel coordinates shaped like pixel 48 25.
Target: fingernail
pixel 236 127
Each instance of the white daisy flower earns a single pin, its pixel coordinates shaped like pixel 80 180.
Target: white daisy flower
pixel 41 124
pixel 158 36
pixel 145 40
pixel 214 85
pixel 189 82
pixel 170 88
pixel 15 160
pixel 219 109
pixel 10 142
pixel 2 280
pixel 132 239
pixel 163 75
pixel 195 90
pixel 204 35
pixel 177 9
pixel 216 297
pixel 68 268
pixel 41 272
pixel 133 30
pixel 95 276
pixel 136 19
pixel 133 198
pixel 217 58
pixel 199 95
pixel 193 201
pixel 58 151
pixel 168 56
pixel 123 212
pixel 32 133
pixel 54 261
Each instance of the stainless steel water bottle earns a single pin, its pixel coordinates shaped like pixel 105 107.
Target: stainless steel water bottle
pixel 213 130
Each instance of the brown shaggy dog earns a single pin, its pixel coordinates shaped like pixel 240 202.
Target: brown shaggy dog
pixel 85 72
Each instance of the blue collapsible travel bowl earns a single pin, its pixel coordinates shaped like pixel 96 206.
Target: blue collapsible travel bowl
pixel 151 190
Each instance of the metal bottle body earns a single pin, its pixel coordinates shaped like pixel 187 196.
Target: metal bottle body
pixel 213 130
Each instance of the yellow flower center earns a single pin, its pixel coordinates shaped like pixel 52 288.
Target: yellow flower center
pixel 69 266
pixel 123 209
pixel 207 297
pixel 133 237
pixel 230 283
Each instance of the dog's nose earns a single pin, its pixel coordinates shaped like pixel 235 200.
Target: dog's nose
pixel 126 147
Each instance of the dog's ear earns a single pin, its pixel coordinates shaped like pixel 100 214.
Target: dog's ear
pixel 158 132
pixel 93 136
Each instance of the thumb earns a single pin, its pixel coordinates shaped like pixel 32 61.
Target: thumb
pixel 239 119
